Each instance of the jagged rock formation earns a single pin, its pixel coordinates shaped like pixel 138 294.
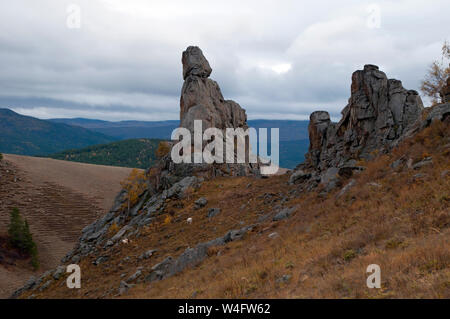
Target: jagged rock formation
pixel 378 113
pixel 201 98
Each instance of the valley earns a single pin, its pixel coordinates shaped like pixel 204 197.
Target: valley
pixel 58 198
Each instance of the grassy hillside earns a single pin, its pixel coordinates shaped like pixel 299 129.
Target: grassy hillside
pixel 397 218
pixel 27 135
pixel 136 153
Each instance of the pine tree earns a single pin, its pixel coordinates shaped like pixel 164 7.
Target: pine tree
pixel 21 238
pixel 30 245
pixel 15 228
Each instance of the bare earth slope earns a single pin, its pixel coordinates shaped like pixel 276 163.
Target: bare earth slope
pixel 58 198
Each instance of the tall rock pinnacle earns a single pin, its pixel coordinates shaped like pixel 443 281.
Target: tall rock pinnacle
pixel 201 98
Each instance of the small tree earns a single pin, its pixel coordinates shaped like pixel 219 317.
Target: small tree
pixel 30 246
pixel 134 186
pixel 163 149
pixel 15 228
pixel 21 238
pixel 437 75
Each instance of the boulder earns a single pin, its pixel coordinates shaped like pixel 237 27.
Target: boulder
pixel 283 214
pixel 213 212
pixel 201 202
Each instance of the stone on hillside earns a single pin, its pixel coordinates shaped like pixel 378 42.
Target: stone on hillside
pixel 123 287
pixel 424 162
pixel 283 214
pixel 213 212
pixel 134 276
pixel 201 202
pixel 299 176
pixel 147 254
pixel 60 270
pixel 346 188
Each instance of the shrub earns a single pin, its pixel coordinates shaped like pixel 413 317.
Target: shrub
pixel 113 229
pixel 1 156
pixel 163 149
pixel 20 237
pixel 134 185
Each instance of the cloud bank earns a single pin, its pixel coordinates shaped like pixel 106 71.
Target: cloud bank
pixel 277 59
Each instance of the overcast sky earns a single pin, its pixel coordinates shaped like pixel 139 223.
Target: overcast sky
pixel 277 59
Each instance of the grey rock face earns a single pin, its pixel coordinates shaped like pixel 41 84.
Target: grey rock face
pixel 201 98
pixel 195 63
pixel 379 112
pixel 60 270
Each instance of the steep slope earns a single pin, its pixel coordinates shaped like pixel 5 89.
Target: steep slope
pixel 58 199
pixel 135 153
pixel 396 215
pixel 26 135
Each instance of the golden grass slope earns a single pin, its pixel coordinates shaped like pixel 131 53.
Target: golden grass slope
pixel 396 218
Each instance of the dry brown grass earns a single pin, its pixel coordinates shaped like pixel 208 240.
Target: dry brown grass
pixel 400 223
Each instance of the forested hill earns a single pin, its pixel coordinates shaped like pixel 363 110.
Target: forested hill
pixel 136 153
pixel 26 135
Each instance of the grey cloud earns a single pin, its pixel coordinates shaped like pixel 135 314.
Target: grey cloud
pixel 125 59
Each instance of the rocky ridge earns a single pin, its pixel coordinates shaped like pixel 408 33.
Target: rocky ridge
pixel 380 113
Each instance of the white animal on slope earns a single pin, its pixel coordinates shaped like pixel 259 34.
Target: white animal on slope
pixel 125 241
pixel 189 220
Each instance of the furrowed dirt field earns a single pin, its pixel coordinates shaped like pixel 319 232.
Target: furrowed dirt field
pixel 58 199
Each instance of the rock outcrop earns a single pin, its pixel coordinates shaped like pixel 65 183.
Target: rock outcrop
pixel 201 98
pixel 378 113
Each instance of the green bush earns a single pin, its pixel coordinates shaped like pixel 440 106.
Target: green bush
pixel 21 238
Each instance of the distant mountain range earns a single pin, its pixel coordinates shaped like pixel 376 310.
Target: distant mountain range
pixel 70 138
pixel 289 130
pixel 27 135
pixel 294 140
pixel 136 153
